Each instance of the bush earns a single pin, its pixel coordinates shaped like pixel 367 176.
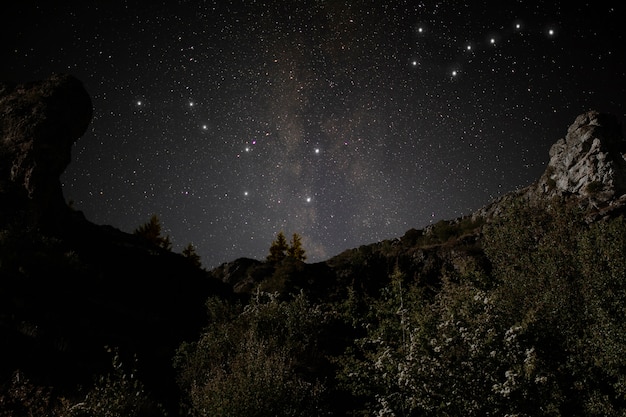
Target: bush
pixel 254 360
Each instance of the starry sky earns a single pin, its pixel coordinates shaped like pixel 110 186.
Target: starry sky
pixel 347 122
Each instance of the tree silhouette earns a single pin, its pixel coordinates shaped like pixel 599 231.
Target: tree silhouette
pixel 151 231
pixel 295 250
pixel 278 249
pixel 189 252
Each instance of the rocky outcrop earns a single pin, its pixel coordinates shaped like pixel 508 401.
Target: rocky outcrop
pixel 587 165
pixel 39 123
pixel 589 161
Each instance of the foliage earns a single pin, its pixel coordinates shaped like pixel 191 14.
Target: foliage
pixel 538 331
pixel 295 250
pixel 280 250
pixel 118 393
pixel 542 335
pixel 20 397
pixel 252 360
pixel 151 231
pixel 190 253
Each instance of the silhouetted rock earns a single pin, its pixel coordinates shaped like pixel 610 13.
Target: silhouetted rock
pixel 39 123
pixel 68 287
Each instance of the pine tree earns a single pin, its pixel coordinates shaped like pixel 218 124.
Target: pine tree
pixel 278 248
pixel 189 252
pixel 295 249
pixel 151 231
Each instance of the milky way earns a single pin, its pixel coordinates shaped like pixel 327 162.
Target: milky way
pixel 346 122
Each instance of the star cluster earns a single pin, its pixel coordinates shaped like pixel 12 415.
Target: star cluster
pixel 346 122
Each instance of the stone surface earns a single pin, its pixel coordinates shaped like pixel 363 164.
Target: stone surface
pixel 589 161
pixel 588 165
pixel 39 122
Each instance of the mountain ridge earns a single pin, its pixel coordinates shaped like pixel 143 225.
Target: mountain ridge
pixel 586 168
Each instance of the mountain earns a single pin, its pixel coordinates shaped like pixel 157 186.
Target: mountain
pixel 515 309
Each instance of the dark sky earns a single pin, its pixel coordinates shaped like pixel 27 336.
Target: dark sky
pixel 346 122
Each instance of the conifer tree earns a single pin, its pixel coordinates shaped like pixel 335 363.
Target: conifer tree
pixel 278 248
pixel 151 231
pixel 189 252
pixel 295 249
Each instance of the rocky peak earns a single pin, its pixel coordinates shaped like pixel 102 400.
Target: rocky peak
pixel 39 123
pixel 589 161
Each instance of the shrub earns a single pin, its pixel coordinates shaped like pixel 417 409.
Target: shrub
pixel 253 360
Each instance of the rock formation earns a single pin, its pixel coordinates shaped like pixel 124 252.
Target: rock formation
pixel 39 122
pixel 589 161
pixel 588 164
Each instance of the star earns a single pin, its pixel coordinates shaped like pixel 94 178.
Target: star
pixel 378 108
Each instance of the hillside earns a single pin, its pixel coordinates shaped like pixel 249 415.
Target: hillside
pixel 71 290
pixel 516 309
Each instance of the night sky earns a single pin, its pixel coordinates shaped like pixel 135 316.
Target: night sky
pixel 346 122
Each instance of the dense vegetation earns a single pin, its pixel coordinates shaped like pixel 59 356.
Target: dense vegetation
pixel 536 328
pixel 541 333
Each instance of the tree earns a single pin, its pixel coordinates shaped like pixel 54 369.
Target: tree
pixel 189 252
pixel 278 249
pixel 151 231
pixel 295 249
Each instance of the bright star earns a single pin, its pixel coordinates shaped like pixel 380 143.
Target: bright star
pixel 308 199
pixel 317 150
